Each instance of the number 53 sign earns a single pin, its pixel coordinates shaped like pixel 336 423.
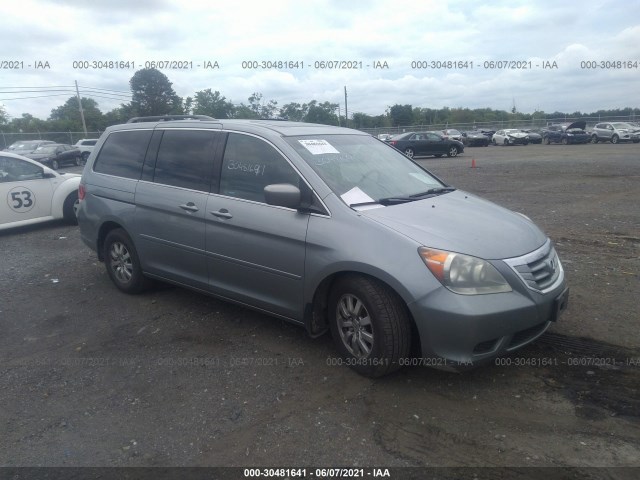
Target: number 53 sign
pixel 21 199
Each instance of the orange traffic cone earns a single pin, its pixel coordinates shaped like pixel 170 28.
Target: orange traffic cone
pixel 473 163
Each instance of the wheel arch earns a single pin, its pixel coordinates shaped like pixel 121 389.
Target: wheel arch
pixel 60 195
pixel 105 228
pixel 316 307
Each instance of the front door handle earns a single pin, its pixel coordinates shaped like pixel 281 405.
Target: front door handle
pixel 190 207
pixel 222 213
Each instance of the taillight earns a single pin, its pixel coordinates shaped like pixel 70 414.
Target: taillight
pixel 81 192
pixel 393 142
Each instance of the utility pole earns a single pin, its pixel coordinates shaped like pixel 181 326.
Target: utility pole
pixel 84 125
pixel 346 111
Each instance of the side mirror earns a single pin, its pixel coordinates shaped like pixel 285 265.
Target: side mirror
pixel 282 195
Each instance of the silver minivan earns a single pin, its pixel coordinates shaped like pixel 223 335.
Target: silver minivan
pixel 323 226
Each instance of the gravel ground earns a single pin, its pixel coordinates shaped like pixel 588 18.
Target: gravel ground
pixel 93 377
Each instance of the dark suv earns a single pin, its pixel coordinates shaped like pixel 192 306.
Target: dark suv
pixel 566 133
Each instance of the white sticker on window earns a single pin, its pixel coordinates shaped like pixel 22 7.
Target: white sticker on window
pixel 355 195
pixel 318 147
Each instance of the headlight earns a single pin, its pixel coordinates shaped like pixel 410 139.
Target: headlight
pixel 463 274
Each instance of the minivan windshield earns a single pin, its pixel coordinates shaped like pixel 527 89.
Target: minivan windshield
pixel 361 169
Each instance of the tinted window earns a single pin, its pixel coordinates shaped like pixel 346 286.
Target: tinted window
pixel 185 159
pixel 123 154
pixel 251 164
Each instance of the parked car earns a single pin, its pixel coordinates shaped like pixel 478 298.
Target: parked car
pixel 57 155
pixel 415 144
pixel 475 139
pixel 26 146
pixel 488 134
pixel 510 136
pixel 325 227
pixel 615 132
pixel 534 137
pixel 566 133
pixel 452 134
pixel 34 193
pixel 86 147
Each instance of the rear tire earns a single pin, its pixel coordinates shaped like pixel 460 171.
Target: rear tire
pixel 370 325
pixel 123 264
pixel 594 139
pixel 79 161
pixel 70 209
pixel 409 152
pixel 547 141
pixel 453 152
pixel 55 164
pixel 565 141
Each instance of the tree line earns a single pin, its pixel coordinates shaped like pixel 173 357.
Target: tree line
pixel 152 94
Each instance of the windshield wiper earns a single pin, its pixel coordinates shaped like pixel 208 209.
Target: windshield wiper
pixel 433 191
pixel 405 199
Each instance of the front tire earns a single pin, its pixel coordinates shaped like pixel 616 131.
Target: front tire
pixel 55 164
pixel 79 161
pixel 409 152
pixel 615 139
pixel 547 141
pixel 85 155
pixel 565 141
pixel 122 262
pixel 369 324
pixel 594 139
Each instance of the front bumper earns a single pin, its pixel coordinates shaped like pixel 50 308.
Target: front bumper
pixel 460 331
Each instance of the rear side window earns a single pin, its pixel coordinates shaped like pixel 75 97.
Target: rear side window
pixel 185 159
pixel 123 154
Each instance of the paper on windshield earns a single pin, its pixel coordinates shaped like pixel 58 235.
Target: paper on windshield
pixel 355 195
pixel 318 147
pixel 422 177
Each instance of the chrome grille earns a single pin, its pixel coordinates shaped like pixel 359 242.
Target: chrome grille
pixel 540 270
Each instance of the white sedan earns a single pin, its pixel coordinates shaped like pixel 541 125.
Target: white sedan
pixel 510 136
pixel 34 193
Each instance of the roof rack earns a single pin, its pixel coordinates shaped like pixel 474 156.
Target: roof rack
pixel 166 118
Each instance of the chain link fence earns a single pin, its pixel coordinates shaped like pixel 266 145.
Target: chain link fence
pixel 70 138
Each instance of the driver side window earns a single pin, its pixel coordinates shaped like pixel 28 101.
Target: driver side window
pixel 249 165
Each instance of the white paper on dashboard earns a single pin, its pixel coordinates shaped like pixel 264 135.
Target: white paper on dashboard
pixel 355 195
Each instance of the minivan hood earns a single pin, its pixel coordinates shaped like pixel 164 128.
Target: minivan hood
pixel 463 223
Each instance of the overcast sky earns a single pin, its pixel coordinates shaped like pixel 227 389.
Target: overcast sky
pixel 397 32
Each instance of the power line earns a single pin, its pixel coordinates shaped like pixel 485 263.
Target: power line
pixel 38 96
pixel 104 89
